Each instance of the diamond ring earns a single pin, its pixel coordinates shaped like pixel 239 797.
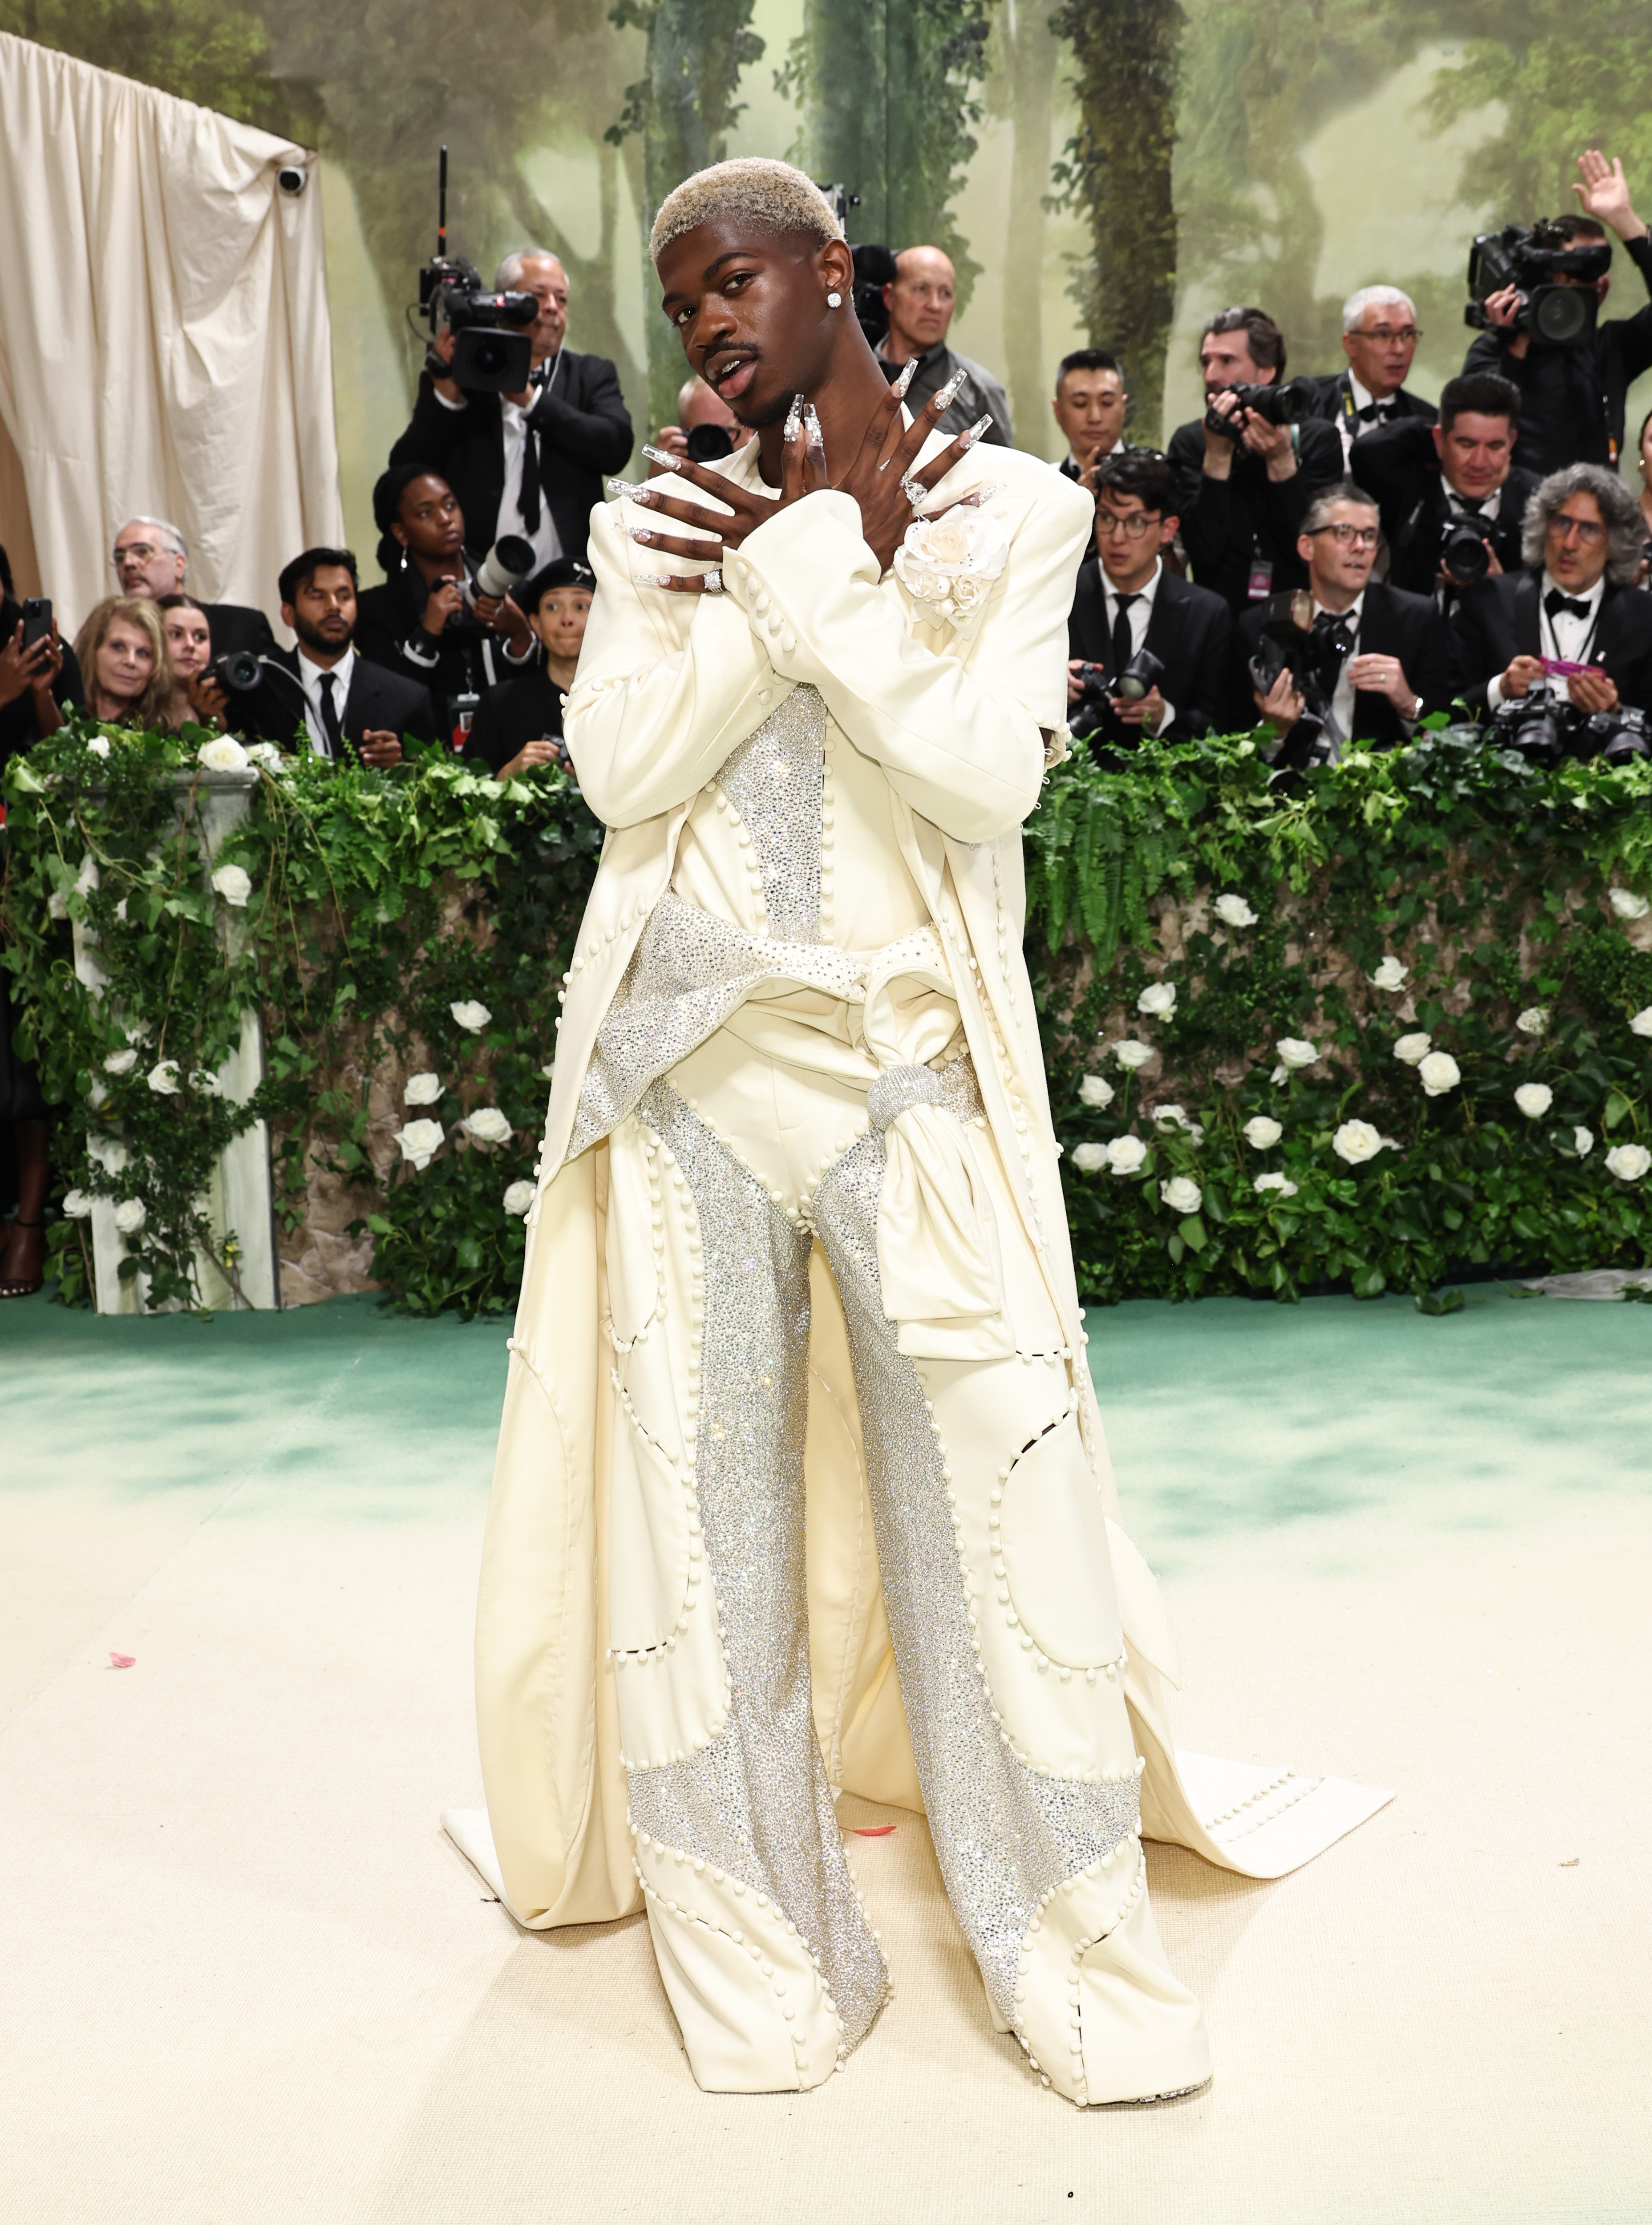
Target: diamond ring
pixel 918 496
pixel 711 581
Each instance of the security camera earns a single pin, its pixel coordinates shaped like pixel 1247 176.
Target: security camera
pixel 292 181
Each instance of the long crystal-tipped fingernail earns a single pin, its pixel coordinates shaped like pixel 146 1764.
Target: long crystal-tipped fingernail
pixel 794 418
pixel 639 533
pixel 813 436
pixel 967 440
pixel 900 386
pixel 636 489
pixel 652 578
pixel 658 456
pixel 980 495
pixel 943 399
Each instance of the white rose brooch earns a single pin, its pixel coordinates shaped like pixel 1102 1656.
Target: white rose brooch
pixel 947 564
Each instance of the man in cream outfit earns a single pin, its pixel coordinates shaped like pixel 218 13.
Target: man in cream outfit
pixel 799 1217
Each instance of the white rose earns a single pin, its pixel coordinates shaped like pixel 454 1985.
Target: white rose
pixel 1089 1158
pixel 1534 1021
pixel 1641 1023
pixel 77 1205
pixel 1627 905
pixel 1234 911
pixel 469 1014
pixel 1356 1141
pixel 1390 974
pixel 120 1061
pixel 1280 1074
pixel 422 1088
pixel 1582 1142
pixel 420 1141
pixel 265 754
pixel 1125 1154
pixel 1413 1048
pixel 99 744
pixel 1170 1116
pixel 1092 1090
pixel 56 906
pixel 108 1152
pixel 1130 1054
pixel 949 562
pixel 487 1124
pixel 163 1079
pixel 1262 1133
pixel 223 754
pixel 1534 1098
pixel 130 1215
pixel 1282 1183
pixel 96 1095
pixel 1181 1194
pixel 204 1084
pixel 1294 1052
pixel 1438 1071
pixel 1156 1000
pixel 233 883
pixel 519 1197
pixel 1628 1162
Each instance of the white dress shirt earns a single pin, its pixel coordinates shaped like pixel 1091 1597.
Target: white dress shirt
pixel 1566 638
pixel 546 542
pixel 1342 700
pixel 310 677
pixel 1347 422
pixel 1140 617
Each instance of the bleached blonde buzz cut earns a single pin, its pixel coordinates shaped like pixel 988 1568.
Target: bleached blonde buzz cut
pixel 765 191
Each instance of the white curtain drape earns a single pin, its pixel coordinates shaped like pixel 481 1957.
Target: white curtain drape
pixel 164 341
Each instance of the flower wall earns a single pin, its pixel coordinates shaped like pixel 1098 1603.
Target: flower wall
pixel 1385 1025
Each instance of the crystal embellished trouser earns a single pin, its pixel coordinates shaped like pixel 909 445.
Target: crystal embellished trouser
pixel 992 1550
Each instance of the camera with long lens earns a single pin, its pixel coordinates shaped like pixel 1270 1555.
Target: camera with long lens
pixel 1314 651
pixel 1274 404
pixel 1616 738
pixel 1531 259
pixel 708 444
pixel 874 269
pixel 492 353
pixel 1535 725
pixel 1138 678
pixel 1465 551
pixel 506 565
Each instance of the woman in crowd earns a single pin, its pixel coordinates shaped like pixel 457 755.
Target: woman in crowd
pixel 35 684
pixel 418 623
pixel 189 651
pixel 122 653
pixel 520 723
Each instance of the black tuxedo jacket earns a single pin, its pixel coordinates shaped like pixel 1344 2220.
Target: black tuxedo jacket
pixel 1227 522
pixel 1391 624
pixel 1396 465
pixel 379 701
pixel 233 626
pixel 1333 400
pixel 1499 620
pixel 583 429
pixel 1189 631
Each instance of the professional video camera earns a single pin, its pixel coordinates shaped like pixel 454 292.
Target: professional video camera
pixel 1530 258
pixel 489 357
pixel 1138 678
pixel 1313 652
pixel 1541 727
pixel 874 269
pixel 1274 404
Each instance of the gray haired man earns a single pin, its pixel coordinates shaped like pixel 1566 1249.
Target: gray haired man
pixel 151 559
pixel 1379 337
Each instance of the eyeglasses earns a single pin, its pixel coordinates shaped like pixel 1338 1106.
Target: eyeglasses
pixel 1411 333
pixel 1563 528
pixel 1351 537
pixel 1132 528
pixel 137 551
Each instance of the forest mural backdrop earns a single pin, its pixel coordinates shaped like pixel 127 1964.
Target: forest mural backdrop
pixel 1101 170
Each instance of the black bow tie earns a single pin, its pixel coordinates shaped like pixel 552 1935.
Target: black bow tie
pixel 1554 602
pixel 1374 412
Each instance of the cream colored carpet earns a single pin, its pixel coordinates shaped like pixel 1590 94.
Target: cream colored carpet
pixel 243 1977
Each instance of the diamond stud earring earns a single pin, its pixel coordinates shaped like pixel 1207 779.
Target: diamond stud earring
pixel 833 301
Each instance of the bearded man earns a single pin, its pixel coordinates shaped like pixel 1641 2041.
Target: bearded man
pixel 799 1217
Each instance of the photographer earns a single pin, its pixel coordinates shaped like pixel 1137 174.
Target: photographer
pixel 1128 602
pixel 1371 661
pixel 429 622
pixel 151 561
pixel 1379 336
pixel 1570 617
pixel 529 463
pixel 1452 502
pixel 321 695
pixel 519 724
pixel 702 410
pixel 920 301
pixel 1246 482
pixel 1090 405
pixel 1572 394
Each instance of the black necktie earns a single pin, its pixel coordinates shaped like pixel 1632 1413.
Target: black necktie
pixel 528 500
pixel 330 718
pixel 1554 602
pixel 1123 647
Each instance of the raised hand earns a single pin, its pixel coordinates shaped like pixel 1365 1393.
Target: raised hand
pixel 1604 193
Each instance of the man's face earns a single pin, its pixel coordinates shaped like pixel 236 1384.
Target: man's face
pixel 560 620
pixel 322 612
pixel 1597 287
pixel 749 306
pixel 1380 352
pixel 1226 360
pixel 145 564
pixel 700 406
pixel 1089 409
pixel 1575 546
pixel 1475 455
pixel 1340 553
pixel 544 278
pixel 921 300
pixel 1129 537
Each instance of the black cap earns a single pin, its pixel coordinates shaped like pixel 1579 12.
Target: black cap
pixel 564 572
